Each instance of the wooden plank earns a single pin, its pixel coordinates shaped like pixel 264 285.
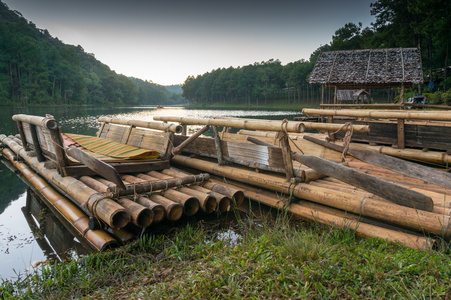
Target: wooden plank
pixel 390 191
pixel 395 164
pixel 98 166
pixel 218 145
pixel 79 170
pixel 37 145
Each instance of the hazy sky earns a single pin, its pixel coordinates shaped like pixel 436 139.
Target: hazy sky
pixel 167 40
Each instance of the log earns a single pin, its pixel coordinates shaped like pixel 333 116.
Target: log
pixel 398 165
pixel 390 191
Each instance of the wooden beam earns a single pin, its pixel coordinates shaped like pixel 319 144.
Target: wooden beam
pixel 390 191
pixel 401 134
pixel 218 145
pixel 392 163
pixel 36 143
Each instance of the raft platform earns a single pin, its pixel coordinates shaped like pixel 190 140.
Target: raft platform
pixel 135 174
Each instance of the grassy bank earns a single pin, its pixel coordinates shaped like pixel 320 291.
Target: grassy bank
pixel 264 259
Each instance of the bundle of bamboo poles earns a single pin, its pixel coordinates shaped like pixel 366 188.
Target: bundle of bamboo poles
pixel 77 218
pixel 360 203
pixel 147 199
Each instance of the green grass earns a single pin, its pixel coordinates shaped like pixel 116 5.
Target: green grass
pixel 270 259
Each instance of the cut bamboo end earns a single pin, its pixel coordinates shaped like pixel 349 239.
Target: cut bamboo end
pixel 223 204
pixel 173 210
pixel 158 210
pixel 140 215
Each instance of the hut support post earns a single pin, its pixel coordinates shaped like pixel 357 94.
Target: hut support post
pixel 335 95
pixel 401 95
pixel 218 145
pixel 322 94
pixel 401 135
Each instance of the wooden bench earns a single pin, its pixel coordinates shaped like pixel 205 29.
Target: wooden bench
pixel 44 137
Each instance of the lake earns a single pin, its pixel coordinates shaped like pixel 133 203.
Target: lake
pixel 21 248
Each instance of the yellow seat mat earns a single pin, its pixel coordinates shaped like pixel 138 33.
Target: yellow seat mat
pixel 110 148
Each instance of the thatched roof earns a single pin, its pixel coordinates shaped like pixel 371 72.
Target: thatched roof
pixel 371 68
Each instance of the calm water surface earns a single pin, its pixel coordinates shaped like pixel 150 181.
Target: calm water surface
pixel 19 249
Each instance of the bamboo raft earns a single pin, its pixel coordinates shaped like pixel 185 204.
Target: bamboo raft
pixel 263 162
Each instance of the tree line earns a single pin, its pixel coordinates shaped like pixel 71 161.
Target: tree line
pixel 398 23
pixel 37 69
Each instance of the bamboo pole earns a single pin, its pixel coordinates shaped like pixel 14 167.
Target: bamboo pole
pixel 140 215
pixel 159 213
pixel 190 204
pixel 234 194
pixel 46 122
pixel 173 209
pixel 207 202
pixel 102 207
pixel 98 239
pixel 259 125
pixel 146 124
pixel 387 212
pixel 390 191
pixel 141 186
pixel 380 114
pixel 334 217
pixel 94 184
pixel 434 157
pixel 222 201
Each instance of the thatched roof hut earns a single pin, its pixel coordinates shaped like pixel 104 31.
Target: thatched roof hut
pixel 370 68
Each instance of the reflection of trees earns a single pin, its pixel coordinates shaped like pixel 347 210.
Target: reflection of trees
pixel 11 187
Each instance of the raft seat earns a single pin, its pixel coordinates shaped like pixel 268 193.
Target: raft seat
pixel 43 135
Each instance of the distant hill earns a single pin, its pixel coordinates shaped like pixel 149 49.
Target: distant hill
pixel 36 68
pixel 175 89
